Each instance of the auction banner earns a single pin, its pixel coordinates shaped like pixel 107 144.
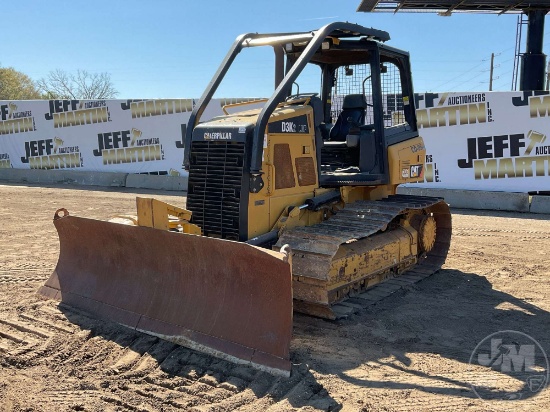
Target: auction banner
pixel 130 136
pixel 494 141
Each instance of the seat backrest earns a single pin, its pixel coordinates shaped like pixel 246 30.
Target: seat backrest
pixel 353 108
pixel 354 101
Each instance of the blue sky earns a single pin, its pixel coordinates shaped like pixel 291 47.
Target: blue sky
pixel 163 48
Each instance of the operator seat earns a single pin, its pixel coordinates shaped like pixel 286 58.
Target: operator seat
pixel 352 114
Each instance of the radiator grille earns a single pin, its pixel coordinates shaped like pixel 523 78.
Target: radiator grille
pixel 214 192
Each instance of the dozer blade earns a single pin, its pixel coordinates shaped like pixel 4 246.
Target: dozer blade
pixel 225 298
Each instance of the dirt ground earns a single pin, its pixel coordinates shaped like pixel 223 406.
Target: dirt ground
pixel 409 352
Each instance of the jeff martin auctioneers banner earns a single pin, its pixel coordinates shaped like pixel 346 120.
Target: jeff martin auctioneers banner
pixel 131 136
pixel 495 141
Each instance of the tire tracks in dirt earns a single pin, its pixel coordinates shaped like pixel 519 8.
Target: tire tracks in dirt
pixel 53 358
pixel 108 366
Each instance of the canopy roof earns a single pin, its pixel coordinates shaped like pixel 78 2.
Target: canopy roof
pixel 447 7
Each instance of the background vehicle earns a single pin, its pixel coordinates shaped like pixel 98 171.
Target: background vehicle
pixel 311 176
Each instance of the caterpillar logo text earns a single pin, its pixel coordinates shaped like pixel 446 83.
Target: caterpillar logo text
pixel 217 136
pixel 126 146
pixel 15 122
pixel 505 156
pixel 40 154
pixel 66 113
pixel 416 171
pixel 145 108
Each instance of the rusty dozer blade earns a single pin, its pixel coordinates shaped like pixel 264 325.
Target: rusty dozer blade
pixel 228 299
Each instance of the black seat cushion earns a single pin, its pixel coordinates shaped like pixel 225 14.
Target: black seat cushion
pixel 353 113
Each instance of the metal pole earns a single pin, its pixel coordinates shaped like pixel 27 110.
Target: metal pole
pixel 279 65
pixel 534 60
pixel 491 75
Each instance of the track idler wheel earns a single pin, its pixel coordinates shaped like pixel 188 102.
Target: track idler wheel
pixel 427 231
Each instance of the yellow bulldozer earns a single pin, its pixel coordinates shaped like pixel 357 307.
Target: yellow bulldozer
pixel 290 207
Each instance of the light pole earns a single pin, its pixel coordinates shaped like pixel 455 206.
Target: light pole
pixel 491 72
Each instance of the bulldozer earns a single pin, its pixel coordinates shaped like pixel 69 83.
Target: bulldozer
pixel 291 207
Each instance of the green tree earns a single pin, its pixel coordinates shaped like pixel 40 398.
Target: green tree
pixel 15 85
pixel 82 85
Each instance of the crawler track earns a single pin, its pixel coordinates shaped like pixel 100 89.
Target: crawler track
pixel 314 248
